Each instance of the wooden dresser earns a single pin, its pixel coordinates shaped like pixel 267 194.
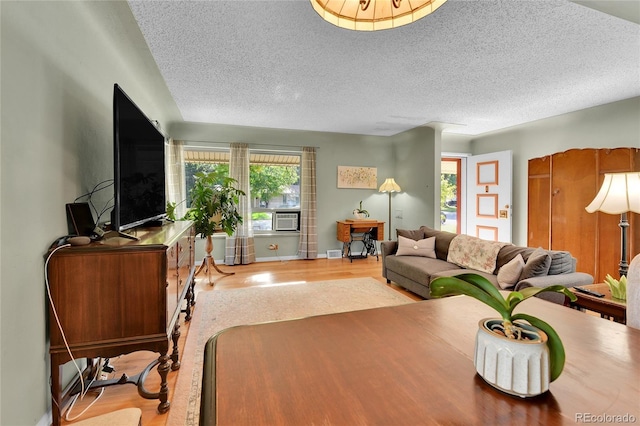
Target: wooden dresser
pixel 560 186
pixel 119 296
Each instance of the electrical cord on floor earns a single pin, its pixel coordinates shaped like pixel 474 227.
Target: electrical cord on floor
pixel 83 389
pixel 278 257
pixel 55 312
pixel 73 403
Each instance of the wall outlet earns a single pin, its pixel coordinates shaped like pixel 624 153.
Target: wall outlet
pixel 273 247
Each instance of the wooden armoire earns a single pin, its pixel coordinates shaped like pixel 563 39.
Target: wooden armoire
pixel 560 186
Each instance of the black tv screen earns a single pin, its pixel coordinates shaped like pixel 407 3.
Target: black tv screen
pixel 139 174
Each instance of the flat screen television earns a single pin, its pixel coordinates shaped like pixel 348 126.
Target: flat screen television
pixel 139 168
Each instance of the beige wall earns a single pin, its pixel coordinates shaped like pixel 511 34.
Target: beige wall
pixel 607 126
pixel 59 63
pixel 392 156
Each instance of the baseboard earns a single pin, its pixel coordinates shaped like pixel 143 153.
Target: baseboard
pixel 262 259
pixel 277 258
pixel 46 419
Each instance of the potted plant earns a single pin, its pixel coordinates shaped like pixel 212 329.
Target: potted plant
pixel 517 353
pixel 360 213
pixel 214 208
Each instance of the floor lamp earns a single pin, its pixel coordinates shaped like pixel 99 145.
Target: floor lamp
pixel 389 186
pixel 619 194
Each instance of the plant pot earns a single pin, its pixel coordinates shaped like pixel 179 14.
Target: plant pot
pixel 517 367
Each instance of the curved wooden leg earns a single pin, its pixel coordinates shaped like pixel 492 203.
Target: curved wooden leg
pixel 209 263
pixel 163 396
pixel 190 300
pixel 175 354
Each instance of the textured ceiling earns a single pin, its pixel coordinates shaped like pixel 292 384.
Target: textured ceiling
pixel 482 65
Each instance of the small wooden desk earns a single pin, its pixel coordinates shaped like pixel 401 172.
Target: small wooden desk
pixel 410 364
pixel 606 306
pixel 346 228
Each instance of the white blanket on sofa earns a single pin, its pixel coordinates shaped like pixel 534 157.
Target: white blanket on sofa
pixel 474 253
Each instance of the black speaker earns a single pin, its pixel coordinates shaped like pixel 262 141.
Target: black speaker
pixel 80 219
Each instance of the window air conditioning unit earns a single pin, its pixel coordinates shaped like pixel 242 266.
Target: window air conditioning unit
pixel 286 221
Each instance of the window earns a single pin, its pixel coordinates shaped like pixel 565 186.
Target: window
pixel 274 184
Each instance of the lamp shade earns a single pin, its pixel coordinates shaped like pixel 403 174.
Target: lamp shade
pixel 372 15
pixel 389 185
pixel 619 193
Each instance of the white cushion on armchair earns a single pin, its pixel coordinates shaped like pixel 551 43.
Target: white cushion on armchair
pixel 633 293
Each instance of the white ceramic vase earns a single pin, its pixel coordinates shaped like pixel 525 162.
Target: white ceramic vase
pixel 517 367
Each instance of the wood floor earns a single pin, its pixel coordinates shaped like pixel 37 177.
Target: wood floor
pixel 257 274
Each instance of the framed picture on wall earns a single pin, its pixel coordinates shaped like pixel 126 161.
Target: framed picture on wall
pixel 357 177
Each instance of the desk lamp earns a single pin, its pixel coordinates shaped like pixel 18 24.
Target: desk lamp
pixel 619 194
pixel 389 186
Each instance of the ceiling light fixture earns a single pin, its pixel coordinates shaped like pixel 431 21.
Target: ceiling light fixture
pixel 373 15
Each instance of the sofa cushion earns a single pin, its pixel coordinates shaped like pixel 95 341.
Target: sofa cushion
pixel 455 272
pixel 561 263
pixel 443 240
pixel 409 247
pixel 537 264
pixel 414 234
pixel 509 274
pixel 415 268
pixel 508 252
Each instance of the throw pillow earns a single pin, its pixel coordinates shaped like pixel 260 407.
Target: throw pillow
pixel 510 273
pixel 409 247
pixel 538 264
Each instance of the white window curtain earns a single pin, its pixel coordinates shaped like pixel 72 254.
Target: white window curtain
pixel 308 247
pixel 175 181
pixel 239 248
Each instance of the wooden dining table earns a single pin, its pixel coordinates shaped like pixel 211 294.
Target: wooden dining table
pixel 412 365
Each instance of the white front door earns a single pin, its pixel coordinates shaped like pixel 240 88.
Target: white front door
pixel 489 196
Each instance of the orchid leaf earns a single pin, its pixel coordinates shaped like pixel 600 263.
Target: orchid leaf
pixel 480 288
pixel 484 284
pixel 449 286
pixel 554 343
pixel 532 291
pixel 514 298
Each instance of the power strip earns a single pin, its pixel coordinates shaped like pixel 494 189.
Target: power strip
pixel 107 369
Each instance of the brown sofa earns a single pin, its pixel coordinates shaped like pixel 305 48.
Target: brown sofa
pixel 415 273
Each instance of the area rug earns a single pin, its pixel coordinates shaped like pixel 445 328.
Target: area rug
pixel 217 310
